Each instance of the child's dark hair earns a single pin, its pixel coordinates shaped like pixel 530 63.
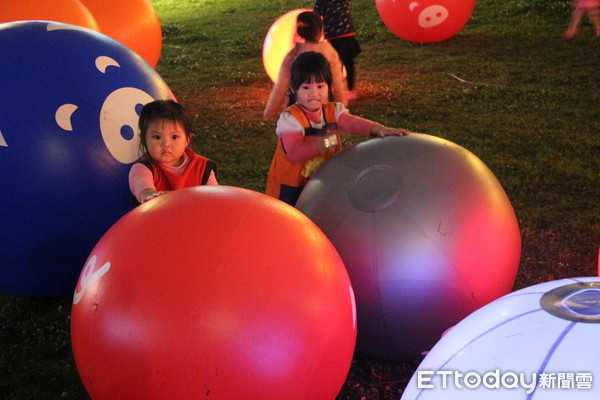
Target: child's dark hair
pixel 309 67
pixel 165 110
pixel 309 26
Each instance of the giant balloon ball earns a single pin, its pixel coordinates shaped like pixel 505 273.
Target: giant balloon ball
pixel 540 342
pixel 67 11
pixel 280 39
pixel 213 292
pixel 427 234
pixel 134 23
pixel 425 21
pixel 68 119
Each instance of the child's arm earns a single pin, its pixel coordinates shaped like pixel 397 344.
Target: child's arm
pixel 212 179
pixel 364 127
pixel 141 183
pixel 298 149
pixel 278 97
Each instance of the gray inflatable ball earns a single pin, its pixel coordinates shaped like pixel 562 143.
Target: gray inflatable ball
pixel 426 232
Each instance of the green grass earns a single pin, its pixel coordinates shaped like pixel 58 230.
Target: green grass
pixel 531 112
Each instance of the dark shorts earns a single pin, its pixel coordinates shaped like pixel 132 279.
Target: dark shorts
pixel 290 194
pixel 347 47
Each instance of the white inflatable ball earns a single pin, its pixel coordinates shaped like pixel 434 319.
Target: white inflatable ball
pixel 536 343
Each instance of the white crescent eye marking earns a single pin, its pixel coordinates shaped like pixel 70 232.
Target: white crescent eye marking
pixel 412 5
pixel 104 62
pixel 63 116
pixel 2 141
pixel 118 113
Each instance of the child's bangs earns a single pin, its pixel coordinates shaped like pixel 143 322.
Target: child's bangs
pixel 316 76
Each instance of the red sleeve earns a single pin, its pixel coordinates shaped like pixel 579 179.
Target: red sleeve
pixel 298 149
pixel 355 125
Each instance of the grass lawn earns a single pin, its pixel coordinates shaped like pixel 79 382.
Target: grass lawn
pixel 508 87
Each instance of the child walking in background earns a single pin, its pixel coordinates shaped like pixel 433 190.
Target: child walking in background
pixel 167 163
pixel 340 32
pixel 580 8
pixel 309 29
pixel 308 128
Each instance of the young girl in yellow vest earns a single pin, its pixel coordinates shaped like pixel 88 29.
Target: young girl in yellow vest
pixel 167 163
pixel 308 130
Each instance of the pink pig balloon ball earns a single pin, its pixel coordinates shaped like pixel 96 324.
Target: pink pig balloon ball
pixel 425 21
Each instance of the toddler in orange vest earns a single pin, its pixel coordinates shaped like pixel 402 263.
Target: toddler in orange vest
pixel 308 130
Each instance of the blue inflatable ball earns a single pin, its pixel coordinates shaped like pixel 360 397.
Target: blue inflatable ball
pixel 68 119
pixel 540 342
pixel 426 232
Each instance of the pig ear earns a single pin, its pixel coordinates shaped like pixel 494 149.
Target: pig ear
pixel 412 5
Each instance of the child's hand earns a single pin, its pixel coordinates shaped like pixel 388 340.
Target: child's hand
pixel 152 195
pixel 381 131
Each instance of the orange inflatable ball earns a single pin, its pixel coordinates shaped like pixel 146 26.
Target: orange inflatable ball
pixel 134 23
pixel 67 11
pixel 279 41
pixel 213 292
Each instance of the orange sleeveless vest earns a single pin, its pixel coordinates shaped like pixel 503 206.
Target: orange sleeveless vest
pixel 196 173
pixel 286 178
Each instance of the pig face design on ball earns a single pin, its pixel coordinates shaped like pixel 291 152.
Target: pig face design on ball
pixel 425 21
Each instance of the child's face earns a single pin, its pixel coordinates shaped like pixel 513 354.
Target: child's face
pixel 166 142
pixel 311 96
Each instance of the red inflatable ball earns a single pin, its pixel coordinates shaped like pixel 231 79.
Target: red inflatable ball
pixel 279 41
pixel 134 23
pixel 213 292
pixel 425 21
pixel 67 11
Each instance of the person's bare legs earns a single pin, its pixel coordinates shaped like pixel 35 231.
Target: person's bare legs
pixel 594 16
pixel 573 29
